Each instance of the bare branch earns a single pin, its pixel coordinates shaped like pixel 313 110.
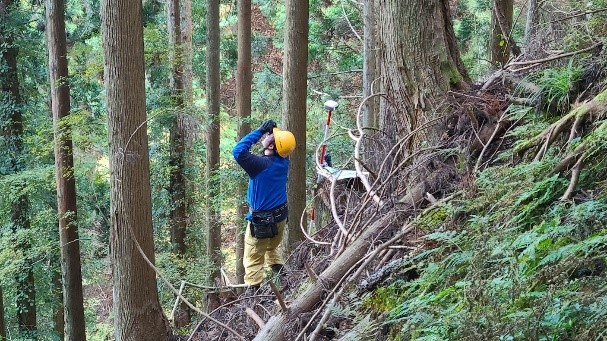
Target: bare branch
pixel 253 315
pixel 281 300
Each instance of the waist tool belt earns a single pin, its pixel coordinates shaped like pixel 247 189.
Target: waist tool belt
pixel 264 223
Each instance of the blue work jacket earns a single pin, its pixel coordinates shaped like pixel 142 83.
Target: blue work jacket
pixel 267 174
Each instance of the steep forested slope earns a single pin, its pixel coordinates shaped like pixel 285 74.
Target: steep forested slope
pixel 511 247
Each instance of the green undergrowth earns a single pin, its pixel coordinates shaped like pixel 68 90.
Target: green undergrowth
pixel 509 260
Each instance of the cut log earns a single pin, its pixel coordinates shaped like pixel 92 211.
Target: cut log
pixel 275 328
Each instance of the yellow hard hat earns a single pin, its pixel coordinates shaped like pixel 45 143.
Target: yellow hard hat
pixel 284 141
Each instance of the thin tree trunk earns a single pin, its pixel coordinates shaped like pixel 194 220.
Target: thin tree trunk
pixel 177 186
pixel 58 306
pixel 531 25
pixel 294 92
pixel 186 41
pixel 137 311
pixel 213 222
pixel 177 141
pixel 501 38
pixel 64 170
pixel 12 133
pixel 243 107
pixel 371 109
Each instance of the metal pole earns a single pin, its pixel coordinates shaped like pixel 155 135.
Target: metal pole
pixel 330 106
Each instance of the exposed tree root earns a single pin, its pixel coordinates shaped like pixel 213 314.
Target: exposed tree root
pixel 575 176
pixel 550 134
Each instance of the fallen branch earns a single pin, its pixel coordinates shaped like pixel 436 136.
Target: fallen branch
pixel 281 300
pixel 549 59
pixel 577 15
pixel 253 315
pixel 520 100
pixel 217 309
pixel 181 287
pixel 325 315
pixel 367 259
pixel 498 128
pixel 310 273
pixel 275 327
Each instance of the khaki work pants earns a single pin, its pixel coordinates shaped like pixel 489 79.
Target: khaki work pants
pixel 260 251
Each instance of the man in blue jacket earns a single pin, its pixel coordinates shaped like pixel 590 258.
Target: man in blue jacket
pixel 267 198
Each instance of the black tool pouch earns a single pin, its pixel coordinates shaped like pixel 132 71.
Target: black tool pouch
pixel 263 225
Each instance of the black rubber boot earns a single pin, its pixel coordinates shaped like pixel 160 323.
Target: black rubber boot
pixel 277 269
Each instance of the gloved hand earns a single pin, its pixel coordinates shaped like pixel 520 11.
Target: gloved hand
pixel 328 160
pixel 267 127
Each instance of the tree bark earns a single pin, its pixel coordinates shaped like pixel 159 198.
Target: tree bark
pixel 64 172
pixel 244 80
pixel 419 63
pixel 13 138
pixel 532 23
pixel 177 185
pixel 371 109
pixel 186 41
pixel 137 311
pixel 501 28
pixel 177 141
pixel 59 305
pixel 294 92
pixel 213 140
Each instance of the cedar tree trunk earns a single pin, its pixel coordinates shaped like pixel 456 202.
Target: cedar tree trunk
pixel 213 222
pixel 137 311
pixel 244 80
pixel 64 172
pixel 294 92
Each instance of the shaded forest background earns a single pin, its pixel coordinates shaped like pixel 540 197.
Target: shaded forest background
pixel 511 247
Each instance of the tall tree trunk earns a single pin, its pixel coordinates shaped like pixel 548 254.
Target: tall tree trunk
pixel 2 323
pixel 137 311
pixel 213 222
pixel 419 64
pixel 12 132
pixel 64 171
pixel 26 290
pixel 186 41
pixel 371 108
pixel 244 80
pixel 58 306
pixel 177 190
pixel 501 28
pixel 294 92
pixel 177 134
pixel 533 46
